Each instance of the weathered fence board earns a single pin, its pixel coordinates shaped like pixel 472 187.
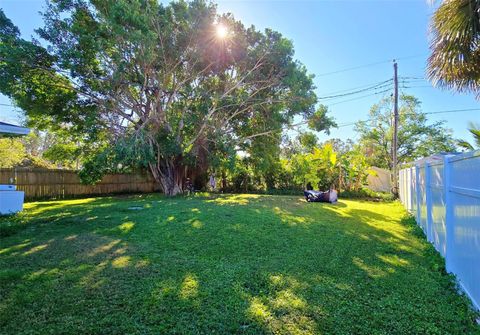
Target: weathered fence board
pixel 47 183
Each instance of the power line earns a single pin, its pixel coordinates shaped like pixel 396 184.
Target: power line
pixel 421 86
pixel 367 65
pixel 382 84
pixel 351 68
pixel 361 97
pixel 453 111
pixel 429 113
pixel 357 87
pixel 412 77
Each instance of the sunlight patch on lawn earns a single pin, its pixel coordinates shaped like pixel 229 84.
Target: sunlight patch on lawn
pixel 283 317
pixel 142 263
pixel 126 226
pixel 121 262
pixel 282 310
pixel 35 249
pixel 396 232
pixel 41 273
pixel 237 199
pixel 394 260
pixel 372 271
pixel 289 218
pixel 189 287
pixel 258 310
pixel 287 300
pixel 364 237
pixel 15 247
pixel 196 223
pixel 35 208
pixel 91 278
pixel 104 248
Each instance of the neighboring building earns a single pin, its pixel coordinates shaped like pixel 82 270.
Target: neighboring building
pixel 379 180
pixel 10 130
pixel 11 200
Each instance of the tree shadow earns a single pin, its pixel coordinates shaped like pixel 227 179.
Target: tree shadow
pixel 226 264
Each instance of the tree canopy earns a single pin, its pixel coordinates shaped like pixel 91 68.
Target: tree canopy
pixel 156 86
pixel 416 138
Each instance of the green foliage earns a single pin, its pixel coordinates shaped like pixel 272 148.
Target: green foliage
pixel 416 138
pixel 320 121
pixel 308 141
pixel 12 152
pixel 11 224
pixel 325 168
pixel 354 170
pixel 95 168
pixel 47 149
pixel 29 76
pixel 298 166
pixel 474 129
pixel 62 153
pixel 454 61
pixel 366 194
pixel 158 78
pixel 229 264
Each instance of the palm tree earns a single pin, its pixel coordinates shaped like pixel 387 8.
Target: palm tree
pixel 455 59
pixel 474 129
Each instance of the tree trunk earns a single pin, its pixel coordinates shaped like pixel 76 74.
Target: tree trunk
pixel 169 176
pixel 224 182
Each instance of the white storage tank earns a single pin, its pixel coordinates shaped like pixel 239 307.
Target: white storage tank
pixel 11 200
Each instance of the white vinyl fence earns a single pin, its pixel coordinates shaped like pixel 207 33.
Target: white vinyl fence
pixel 443 192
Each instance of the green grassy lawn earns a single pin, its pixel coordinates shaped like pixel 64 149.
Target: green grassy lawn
pixel 239 264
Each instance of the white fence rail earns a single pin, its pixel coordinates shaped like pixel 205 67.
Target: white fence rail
pixel 443 192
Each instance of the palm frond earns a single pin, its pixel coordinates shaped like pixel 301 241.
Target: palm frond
pixel 465 145
pixel 455 46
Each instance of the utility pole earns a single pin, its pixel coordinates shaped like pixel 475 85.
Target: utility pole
pixel 395 129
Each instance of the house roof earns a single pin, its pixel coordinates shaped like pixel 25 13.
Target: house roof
pixel 8 130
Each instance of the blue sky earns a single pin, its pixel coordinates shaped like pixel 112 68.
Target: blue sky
pixel 331 36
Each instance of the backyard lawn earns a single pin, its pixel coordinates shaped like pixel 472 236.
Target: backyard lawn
pixel 233 264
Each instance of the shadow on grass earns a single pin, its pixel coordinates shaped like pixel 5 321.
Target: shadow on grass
pixel 244 264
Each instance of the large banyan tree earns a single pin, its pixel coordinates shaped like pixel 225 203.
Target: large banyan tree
pixel 170 87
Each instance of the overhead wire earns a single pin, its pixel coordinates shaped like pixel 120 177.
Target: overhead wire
pixel 367 65
pixel 357 87
pixel 379 85
pixel 427 113
pixel 360 97
pixel 369 87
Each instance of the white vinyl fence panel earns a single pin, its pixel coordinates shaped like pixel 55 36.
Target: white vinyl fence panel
pixel 443 193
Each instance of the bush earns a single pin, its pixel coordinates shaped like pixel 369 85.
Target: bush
pixel 10 224
pixel 367 194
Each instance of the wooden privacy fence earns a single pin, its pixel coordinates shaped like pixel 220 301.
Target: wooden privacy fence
pixel 40 183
